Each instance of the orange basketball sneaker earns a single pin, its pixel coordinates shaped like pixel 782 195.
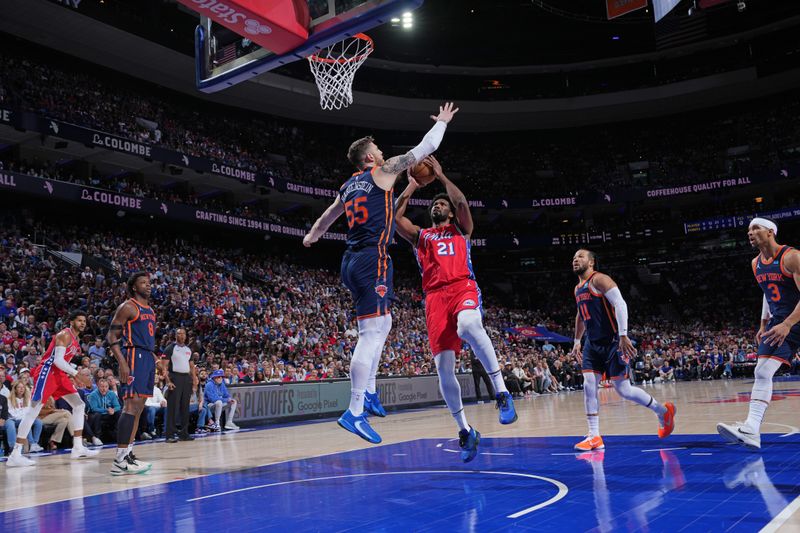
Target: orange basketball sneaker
pixel 668 423
pixel 591 442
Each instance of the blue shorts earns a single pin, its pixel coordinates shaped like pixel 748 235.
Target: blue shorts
pixel 604 358
pixel 142 367
pixel 368 275
pixel 784 351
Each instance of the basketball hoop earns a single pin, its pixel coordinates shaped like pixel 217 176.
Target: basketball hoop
pixel 334 68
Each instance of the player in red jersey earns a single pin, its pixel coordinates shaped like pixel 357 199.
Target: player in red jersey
pixel 453 308
pixel 53 377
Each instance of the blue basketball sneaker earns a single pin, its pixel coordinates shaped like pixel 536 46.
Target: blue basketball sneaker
pixel 372 404
pixel 508 415
pixel 468 442
pixel 358 425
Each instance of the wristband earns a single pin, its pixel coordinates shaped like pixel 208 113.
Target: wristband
pixel 577 341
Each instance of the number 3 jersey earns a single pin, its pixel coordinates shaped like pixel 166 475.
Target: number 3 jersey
pixel 443 255
pixel 369 210
pixel 778 285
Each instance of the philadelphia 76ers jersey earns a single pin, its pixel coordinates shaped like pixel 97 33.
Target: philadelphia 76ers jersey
pixel 596 312
pixel 369 210
pixel 443 255
pixel 778 285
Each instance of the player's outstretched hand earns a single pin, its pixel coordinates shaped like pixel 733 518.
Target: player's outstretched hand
pixel 308 241
pixel 446 113
pixel 413 181
pixel 627 349
pixel 777 334
pixel 435 165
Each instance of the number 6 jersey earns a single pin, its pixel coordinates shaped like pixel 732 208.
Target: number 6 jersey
pixel 443 255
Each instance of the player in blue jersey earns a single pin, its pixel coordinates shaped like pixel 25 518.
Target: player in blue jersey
pixel 368 200
pixel 777 272
pixel 132 340
pixel 603 318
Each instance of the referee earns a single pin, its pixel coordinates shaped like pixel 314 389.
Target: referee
pixel 180 375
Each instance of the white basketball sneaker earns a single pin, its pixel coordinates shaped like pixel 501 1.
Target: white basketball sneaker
pixel 81 452
pixel 740 433
pixel 17 459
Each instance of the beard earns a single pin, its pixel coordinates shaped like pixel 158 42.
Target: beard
pixel 580 270
pixel 438 217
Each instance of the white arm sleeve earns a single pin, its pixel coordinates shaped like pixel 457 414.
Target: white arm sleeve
pixel 58 353
pixel 430 142
pixel 620 309
pixel 765 314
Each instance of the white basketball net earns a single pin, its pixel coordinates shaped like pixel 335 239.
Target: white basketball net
pixel 334 68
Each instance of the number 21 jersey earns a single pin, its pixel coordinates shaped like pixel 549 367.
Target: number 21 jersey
pixel 443 255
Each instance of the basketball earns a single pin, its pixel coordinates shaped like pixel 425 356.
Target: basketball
pixel 423 173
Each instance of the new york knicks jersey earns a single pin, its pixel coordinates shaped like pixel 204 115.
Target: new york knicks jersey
pixel 778 285
pixel 369 210
pixel 596 312
pixel 443 255
pixel 140 332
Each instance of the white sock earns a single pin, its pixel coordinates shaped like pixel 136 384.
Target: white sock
pixel 756 414
pixel 470 328
pixel 17 449
pixel 376 363
pixel 762 391
pixel 590 403
pixel 372 333
pixel 121 453
pixel 594 425
pixel 448 385
pixel 637 395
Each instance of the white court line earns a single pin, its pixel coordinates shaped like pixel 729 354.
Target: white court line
pixel 666 449
pixel 481 453
pixel 495 453
pixel 792 430
pixel 702 454
pixel 562 488
pixel 573 453
pixel 399 454
pixel 782 517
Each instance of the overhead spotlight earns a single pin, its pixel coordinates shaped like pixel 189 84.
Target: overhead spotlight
pixel 395 20
pixel 407 25
pixel 741 6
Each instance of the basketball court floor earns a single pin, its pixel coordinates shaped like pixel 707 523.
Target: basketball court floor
pixel 317 477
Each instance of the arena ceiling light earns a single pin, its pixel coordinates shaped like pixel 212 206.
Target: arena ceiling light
pixel 408 20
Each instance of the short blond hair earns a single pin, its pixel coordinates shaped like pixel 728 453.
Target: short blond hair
pixel 358 151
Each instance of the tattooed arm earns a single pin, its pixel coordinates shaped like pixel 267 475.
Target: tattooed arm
pixel 385 174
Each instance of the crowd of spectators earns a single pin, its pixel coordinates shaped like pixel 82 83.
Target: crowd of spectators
pixel 665 151
pixel 257 318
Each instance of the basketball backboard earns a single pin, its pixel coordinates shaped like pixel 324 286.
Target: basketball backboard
pixel 240 39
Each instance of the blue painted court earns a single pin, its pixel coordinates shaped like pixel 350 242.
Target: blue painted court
pixel 690 483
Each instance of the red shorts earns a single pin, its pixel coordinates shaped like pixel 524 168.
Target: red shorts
pixel 50 381
pixel 441 313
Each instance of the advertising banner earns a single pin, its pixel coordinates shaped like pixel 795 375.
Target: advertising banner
pixel 89 137
pixel 260 403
